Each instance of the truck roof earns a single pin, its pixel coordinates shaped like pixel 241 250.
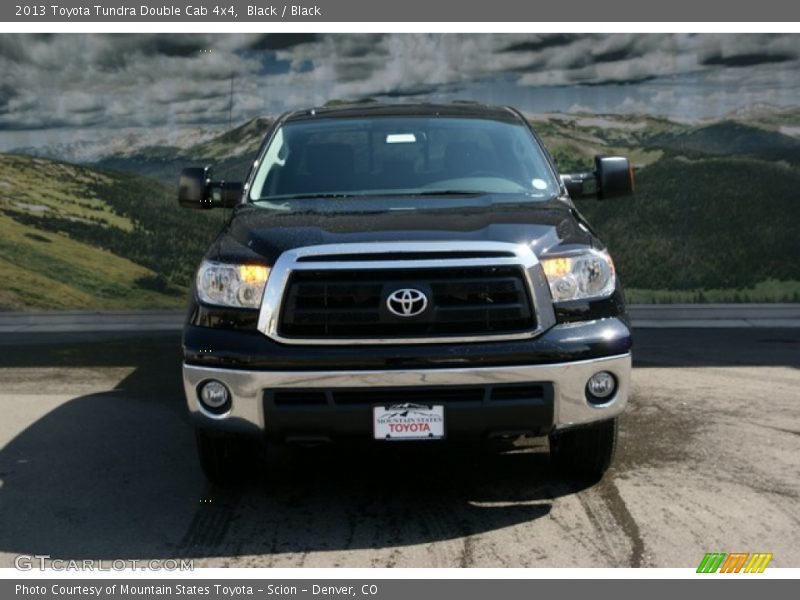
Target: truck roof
pixel 376 109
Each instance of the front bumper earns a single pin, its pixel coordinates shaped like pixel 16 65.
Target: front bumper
pixel 563 404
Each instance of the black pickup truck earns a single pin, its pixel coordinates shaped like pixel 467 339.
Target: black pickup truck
pixel 400 273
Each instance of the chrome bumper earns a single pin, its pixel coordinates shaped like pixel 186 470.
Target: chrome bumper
pixel 568 379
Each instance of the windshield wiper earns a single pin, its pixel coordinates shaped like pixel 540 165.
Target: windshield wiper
pixel 448 193
pixel 308 196
pixel 376 194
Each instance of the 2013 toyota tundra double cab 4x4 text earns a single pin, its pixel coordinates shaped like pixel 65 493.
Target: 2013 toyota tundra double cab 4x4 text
pixel 400 273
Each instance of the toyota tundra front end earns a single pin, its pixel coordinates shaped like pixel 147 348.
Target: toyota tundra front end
pixel 402 274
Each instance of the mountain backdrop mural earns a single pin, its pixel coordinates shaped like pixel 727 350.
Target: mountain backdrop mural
pixel 94 130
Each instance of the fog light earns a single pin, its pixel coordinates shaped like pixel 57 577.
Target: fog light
pixel 215 397
pixel 600 387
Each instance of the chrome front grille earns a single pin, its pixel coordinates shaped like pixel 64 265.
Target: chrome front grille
pixel 351 302
pixel 337 294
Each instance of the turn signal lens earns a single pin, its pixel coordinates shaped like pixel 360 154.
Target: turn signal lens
pixel 556 267
pixel 253 274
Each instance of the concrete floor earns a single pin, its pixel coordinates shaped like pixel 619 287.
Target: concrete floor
pixel 98 461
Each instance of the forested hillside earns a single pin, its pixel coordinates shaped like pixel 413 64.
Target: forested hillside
pixel 715 217
pixel 75 237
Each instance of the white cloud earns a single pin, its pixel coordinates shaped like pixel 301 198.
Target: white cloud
pixel 120 81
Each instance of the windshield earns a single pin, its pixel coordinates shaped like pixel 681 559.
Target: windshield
pixel 402 156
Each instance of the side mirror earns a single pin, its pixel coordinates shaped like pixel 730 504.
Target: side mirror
pixel 612 178
pixel 197 190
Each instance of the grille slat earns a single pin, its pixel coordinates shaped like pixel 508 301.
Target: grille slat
pixel 446 395
pixel 353 315
pixel 333 290
pixel 350 303
pixel 428 255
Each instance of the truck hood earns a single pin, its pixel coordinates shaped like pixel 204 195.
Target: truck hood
pixel 256 233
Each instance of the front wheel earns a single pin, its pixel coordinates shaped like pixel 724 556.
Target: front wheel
pixel 585 452
pixel 226 460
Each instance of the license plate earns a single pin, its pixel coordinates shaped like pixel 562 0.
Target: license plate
pixel 408 422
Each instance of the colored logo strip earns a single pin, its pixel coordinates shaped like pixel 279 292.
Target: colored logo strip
pixel 711 562
pixel 734 562
pixel 758 562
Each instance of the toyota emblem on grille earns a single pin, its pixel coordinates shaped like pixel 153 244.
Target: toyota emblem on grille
pixel 407 302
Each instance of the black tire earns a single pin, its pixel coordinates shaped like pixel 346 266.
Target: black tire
pixel 584 453
pixel 226 460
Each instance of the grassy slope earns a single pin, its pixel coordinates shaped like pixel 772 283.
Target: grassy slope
pixel 41 186
pixel 765 291
pixel 74 237
pixel 729 138
pixel 574 141
pixel 45 271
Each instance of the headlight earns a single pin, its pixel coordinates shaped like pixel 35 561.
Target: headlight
pixel 239 286
pixel 589 274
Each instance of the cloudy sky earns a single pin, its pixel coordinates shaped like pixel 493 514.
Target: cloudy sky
pixel 61 88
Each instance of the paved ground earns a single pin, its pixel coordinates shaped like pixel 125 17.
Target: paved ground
pixel 97 461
